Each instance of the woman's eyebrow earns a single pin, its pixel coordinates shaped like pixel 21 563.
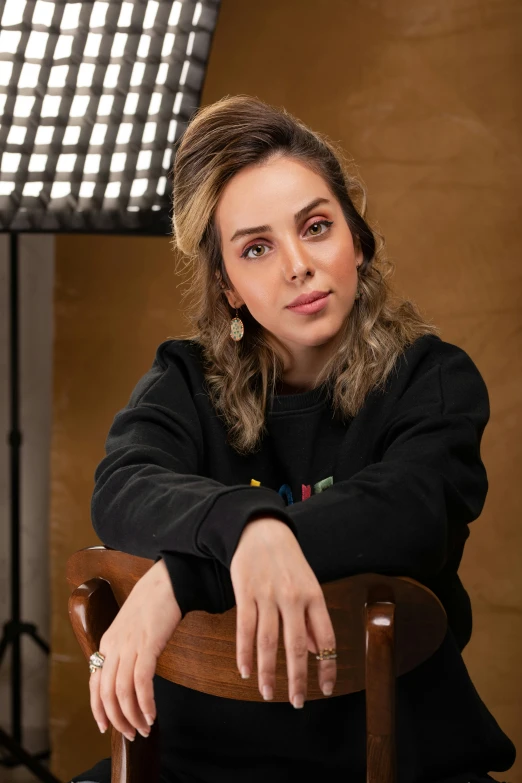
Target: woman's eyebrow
pixel 242 232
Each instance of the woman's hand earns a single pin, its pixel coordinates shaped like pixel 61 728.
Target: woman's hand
pixel 122 691
pixel 270 575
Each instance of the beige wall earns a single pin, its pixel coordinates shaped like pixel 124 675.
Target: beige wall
pixel 115 301
pixel 425 97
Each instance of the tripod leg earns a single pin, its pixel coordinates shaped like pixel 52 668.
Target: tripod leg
pixel 26 759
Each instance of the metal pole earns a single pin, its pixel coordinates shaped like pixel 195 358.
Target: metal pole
pixel 15 439
pixel 14 627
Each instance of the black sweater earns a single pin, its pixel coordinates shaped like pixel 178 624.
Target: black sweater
pixel 390 491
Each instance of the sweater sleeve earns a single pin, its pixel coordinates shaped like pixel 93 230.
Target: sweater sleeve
pixel 401 514
pixel 151 500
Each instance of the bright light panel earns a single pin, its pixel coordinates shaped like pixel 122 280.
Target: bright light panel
pixel 93 96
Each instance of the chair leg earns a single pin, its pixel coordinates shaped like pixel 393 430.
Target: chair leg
pixel 381 766
pixel 120 757
pixel 137 761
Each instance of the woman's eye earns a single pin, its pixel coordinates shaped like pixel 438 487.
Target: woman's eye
pixel 259 245
pixel 326 223
pixel 247 250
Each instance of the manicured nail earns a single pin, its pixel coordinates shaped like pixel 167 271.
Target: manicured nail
pixel 144 733
pixel 245 672
pixel 267 692
pixel 328 688
pixel 101 727
pixel 149 719
pixel 298 701
pixel 130 737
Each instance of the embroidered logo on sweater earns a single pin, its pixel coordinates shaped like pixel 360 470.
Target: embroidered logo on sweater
pixel 306 489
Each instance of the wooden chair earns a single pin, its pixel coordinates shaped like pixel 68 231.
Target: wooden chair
pixel 384 627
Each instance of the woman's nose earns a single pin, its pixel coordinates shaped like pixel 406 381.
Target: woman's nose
pixel 297 262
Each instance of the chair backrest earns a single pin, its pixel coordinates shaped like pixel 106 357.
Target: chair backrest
pixel 384 627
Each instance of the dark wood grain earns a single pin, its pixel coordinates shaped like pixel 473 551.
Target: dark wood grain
pixel 201 654
pixel 384 626
pixel 380 693
pixel 92 608
pixel 137 761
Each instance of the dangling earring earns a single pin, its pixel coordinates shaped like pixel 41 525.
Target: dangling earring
pixel 237 329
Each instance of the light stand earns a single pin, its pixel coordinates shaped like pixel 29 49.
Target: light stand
pixel 14 628
pixel 93 98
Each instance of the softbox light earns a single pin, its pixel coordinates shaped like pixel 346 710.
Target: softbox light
pixel 93 96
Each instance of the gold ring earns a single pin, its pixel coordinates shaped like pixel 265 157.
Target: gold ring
pixel 326 654
pixel 96 661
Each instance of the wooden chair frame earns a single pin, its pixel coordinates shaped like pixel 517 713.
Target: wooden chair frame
pixel 384 626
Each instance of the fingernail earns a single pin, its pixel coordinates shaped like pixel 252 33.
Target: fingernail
pixel 149 719
pixel 101 727
pixel 144 733
pixel 245 673
pixel 328 688
pixel 298 701
pixel 267 692
pixel 130 737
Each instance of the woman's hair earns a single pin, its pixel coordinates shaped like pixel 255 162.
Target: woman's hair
pixel 220 140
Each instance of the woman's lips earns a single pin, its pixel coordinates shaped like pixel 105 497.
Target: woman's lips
pixel 311 307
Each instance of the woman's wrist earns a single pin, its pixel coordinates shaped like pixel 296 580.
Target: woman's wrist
pixel 265 518
pixel 261 524
pixel 158 578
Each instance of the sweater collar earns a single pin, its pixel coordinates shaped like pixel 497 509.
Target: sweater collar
pixel 300 401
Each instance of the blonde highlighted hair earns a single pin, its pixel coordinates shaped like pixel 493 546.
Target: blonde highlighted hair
pixel 220 140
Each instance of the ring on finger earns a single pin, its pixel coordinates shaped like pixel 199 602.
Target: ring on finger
pixel 326 654
pixel 96 661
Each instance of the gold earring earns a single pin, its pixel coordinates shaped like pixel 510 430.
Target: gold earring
pixel 237 329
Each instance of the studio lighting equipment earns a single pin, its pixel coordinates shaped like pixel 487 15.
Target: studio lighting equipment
pixel 93 97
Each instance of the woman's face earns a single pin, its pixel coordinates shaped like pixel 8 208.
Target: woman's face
pixel 284 234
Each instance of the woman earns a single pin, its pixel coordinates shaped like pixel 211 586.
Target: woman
pixel 280 445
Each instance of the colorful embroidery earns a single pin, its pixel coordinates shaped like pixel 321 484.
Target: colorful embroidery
pixel 322 485
pixel 286 492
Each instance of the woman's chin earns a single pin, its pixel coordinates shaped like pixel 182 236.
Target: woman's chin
pixel 317 340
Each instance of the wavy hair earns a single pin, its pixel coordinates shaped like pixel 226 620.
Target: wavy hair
pixel 220 140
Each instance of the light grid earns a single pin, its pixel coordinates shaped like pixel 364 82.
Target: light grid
pixel 93 96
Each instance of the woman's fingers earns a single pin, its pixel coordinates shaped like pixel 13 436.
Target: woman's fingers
pixel 322 630
pixel 126 694
pixel 143 673
pixel 246 621
pixel 110 701
pixel 96 703
pixel 296 646
pixel 122 690
pixel 267 642
pixel 271 577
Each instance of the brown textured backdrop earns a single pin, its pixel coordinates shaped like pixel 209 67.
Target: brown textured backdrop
pixel 426 98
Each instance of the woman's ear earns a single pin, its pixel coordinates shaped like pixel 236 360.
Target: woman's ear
pixel 233 300
pixel 359 253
